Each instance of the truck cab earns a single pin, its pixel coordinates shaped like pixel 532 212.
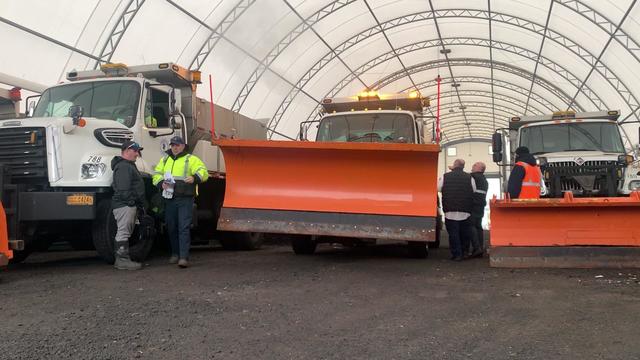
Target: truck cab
pixel 588 154
pixel 58 160
pixel 371 117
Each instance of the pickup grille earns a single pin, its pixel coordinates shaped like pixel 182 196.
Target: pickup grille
pixel 23 152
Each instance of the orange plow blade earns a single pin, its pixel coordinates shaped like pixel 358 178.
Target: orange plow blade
pixel 370 190
pixel 5 253
pixel 566 232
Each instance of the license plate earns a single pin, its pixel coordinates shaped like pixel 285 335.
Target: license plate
pixel 80 200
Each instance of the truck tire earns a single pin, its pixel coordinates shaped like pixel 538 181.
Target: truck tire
pixel 243 241
pixel 104 233
pixel 418 249
pixel 303 245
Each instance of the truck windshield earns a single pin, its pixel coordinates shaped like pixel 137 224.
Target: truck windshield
pixel 594 136
pixel 373 127
pixel 110 100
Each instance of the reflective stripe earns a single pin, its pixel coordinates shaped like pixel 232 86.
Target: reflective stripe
pixel 201 168
pixel 179 177
pixel 481 191
pixel 530 183
pixel 186 165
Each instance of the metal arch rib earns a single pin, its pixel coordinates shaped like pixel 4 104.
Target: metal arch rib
pixel 508 68
pixel 498 96
pixel 556 68
pixel 281 46
pixel 573 47
pixel 118 30
pixel 486 81
pixel 485 104
pixel 218 32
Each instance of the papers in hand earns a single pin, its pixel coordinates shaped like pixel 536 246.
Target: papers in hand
pixel 168 192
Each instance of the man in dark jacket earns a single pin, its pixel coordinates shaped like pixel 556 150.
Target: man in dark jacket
pixel 514 186
pixel 479 203
pixel 457 202
pixel 128 195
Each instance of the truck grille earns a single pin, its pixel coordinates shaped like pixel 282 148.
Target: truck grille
pixel 23 152
pixel 566 169
pixel 586 167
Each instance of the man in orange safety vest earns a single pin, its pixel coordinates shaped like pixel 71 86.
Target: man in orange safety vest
pixel 525 181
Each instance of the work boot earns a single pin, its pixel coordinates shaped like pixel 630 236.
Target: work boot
pixel 123 262
pixel 183 263
pixel 173 259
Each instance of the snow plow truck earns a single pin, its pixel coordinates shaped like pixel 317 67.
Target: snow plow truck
pixel 588 208
pixel 369 177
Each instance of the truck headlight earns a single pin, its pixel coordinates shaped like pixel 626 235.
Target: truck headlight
pixel 92 171
pixel 542 161
pixel 634 185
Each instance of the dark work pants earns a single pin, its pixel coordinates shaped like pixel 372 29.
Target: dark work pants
pixel 478 233
pixel 178 215
pixel 460 235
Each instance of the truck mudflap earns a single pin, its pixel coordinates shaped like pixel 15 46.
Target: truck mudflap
pixel 565 232
pixel 368 190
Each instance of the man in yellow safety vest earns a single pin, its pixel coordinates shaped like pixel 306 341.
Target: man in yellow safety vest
pixel 177 175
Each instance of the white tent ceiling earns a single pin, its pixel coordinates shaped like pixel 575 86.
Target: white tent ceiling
pixel 278 59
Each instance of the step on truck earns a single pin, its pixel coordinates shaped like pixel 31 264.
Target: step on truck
pixel 369 177
pixel 57 175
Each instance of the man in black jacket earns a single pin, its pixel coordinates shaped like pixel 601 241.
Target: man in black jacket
pixel 479 203
pixel 128 195
pixel 457 189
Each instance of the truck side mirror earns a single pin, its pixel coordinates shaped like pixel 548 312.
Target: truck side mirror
pixel 176 122
pixel 496 146
pixel 175 101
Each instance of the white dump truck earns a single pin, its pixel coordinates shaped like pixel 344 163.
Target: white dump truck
pixel 57 177
pixel 588 154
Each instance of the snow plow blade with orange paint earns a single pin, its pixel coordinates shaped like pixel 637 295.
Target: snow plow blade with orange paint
pixel 566 233
pixel 361 190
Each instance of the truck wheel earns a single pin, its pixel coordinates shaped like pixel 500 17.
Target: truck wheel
pixel 418 249
pixel 104 233
pixel 241 240
pixel 303 245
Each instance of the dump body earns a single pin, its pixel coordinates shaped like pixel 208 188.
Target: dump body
pixel 367 190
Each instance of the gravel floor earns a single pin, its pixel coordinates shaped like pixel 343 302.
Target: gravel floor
pixel 365 303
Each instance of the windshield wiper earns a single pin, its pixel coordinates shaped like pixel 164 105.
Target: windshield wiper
pixel 582 150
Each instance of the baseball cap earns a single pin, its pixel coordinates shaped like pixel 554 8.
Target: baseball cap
pixel 176 140
pixel 129 144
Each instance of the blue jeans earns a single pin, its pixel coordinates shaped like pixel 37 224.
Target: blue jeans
pixel 178 214
pixel 460 235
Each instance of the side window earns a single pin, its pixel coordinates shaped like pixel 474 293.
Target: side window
pixel 156 109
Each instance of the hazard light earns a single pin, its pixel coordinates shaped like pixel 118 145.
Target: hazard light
pixel 114 69
pixel 368 95
pixel 564 115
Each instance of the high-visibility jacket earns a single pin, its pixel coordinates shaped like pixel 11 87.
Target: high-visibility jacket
pixel 181 166
pixel 530 188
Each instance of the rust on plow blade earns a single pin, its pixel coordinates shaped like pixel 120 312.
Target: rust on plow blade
pixel 566 232
pixel 373 190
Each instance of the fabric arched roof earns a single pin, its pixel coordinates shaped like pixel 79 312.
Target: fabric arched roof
pixel 277 59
